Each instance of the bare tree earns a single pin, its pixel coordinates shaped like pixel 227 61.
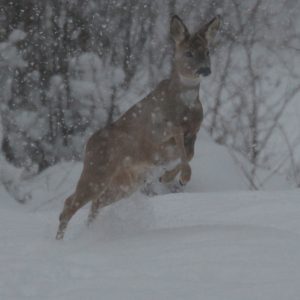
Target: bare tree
pixel 87 62
pixel 253 87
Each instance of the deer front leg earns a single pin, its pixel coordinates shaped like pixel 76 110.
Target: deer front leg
pixel 186 174
pixel 189 144
pixel 169 175
pixel 186 171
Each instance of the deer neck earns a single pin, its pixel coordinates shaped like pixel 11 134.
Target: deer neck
pixel 186 89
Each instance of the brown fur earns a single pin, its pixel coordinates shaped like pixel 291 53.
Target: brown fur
pixel 158 130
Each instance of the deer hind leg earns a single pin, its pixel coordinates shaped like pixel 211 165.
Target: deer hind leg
pixel 72 204
pixel 103 200
pixel 65 216
pixel 123 184
pixel 94 210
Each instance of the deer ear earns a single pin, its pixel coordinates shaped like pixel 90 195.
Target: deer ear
pixel 211 28
pixel 178 30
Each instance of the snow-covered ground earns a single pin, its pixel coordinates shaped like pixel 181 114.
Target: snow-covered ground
pixel 214 241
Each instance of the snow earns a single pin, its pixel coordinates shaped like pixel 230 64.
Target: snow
pixel 16 36
pixel 215 240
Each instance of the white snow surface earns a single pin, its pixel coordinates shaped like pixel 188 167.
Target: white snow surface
pixel 213 241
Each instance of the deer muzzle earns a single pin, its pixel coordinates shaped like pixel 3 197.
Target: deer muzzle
pixel 204 71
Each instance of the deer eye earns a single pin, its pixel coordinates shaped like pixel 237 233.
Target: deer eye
pixel 188 54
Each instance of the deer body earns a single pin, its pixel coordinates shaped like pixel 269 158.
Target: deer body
pixel 158 131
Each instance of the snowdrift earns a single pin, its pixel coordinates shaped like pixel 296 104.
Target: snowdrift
pixel 213 241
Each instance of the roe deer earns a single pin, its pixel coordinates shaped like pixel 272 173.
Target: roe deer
pixel 159 130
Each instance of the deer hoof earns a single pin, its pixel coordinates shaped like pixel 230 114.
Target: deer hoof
pixel 59 236
pixel 181 183
pixel 186 173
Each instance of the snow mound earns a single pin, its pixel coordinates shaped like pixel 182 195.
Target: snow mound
pixel 198 244
pixel 231 245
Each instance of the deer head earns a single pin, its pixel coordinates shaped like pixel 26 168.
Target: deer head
pixel 192 50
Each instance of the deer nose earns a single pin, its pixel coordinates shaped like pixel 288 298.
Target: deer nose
pixel 204 71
